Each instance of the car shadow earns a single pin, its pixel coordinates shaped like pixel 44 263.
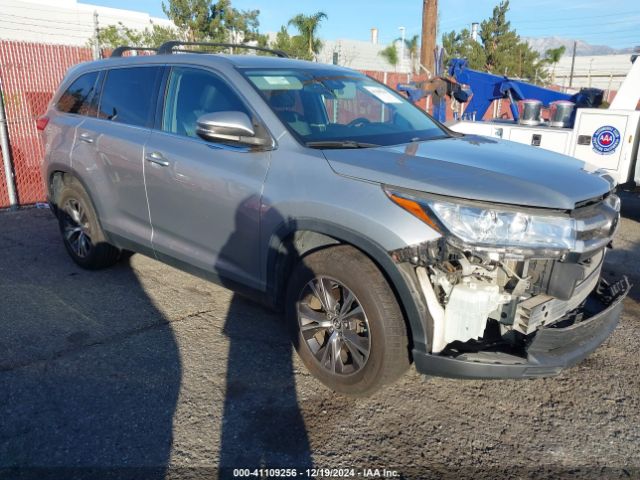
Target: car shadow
pixel 630 204
pixel 621 260
pixel 89 368
pixel 262 425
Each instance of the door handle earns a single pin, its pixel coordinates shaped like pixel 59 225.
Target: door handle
pixel 157 158
pixel 85 137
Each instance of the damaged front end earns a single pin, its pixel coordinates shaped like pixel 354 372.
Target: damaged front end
pixel 512 292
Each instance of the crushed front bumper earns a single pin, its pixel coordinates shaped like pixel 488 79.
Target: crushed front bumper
pixel 553 348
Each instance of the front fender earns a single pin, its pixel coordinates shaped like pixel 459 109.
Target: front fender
pixel 283 252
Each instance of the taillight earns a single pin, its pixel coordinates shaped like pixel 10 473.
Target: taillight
pixel 42 122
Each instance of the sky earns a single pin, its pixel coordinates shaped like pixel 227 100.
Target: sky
pixel 615 23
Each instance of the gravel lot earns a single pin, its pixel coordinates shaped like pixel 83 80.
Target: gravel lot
pixel 141 371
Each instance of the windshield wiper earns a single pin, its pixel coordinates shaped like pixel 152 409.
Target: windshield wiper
pixel 340 144
pixel 426 139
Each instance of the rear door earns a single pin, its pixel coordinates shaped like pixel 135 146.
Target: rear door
pixel 110 152
pixel 77 102
pixel 204 197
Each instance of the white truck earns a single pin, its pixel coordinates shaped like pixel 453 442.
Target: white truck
pixel 605 139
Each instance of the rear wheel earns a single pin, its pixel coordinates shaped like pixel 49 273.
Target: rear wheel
pixel 346 324
pixel 81 233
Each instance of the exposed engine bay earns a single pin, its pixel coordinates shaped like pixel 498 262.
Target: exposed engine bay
pixel 491 301
pixel 502 301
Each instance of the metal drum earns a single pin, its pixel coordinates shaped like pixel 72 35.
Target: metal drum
pixel 529 111
pixel 561 113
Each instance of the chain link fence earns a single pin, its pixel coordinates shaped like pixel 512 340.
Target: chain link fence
pixel 29 75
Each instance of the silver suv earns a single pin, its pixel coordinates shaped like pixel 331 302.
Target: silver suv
pixel 386 238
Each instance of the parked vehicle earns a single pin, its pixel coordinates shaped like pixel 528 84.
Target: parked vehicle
pixel 385 237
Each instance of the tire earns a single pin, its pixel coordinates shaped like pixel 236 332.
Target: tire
pixel 371 343
pixel 81 233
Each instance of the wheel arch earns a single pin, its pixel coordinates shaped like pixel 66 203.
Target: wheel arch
pixel 295 239
pixel 57 177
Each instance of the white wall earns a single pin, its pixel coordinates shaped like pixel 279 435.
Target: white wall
pixel 65 22
pixel 600 71
pixel 361 55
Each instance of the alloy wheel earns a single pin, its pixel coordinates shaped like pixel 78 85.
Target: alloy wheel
pixel 76 228
pixel 334 326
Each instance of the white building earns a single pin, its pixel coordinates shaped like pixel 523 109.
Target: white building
pixel 65 22
pixel 362 55
pixel 600 71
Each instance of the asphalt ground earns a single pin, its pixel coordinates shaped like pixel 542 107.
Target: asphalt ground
pixel 142 371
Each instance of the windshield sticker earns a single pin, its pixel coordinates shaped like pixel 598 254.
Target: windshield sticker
pixel 382 94
pixel 276 82
pixel 605 140
pixel 279 81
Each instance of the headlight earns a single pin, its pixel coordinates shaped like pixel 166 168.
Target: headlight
pixel 499 228
pixel 490 229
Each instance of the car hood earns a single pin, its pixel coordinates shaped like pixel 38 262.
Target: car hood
pixel 475 168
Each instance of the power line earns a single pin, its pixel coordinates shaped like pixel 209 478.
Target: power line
pixel 88 23
pixel 48 25
pixel 46 33
pixel 572 27
pixel 572 19
pixel 619 34
pixel 602 35
pixel 57 11
pixel 23 17
pixel 612 34
pixel 556 21
pixel 38 25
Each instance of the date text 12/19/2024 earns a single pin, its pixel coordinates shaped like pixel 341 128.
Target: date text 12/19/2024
pixel 315 473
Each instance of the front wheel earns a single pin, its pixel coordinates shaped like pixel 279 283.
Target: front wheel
pixel 346 324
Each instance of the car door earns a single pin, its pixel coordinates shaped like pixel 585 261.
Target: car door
pixel 74 105
pixel 108 154
pixel 204 197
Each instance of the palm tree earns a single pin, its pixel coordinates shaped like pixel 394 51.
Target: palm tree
pixel 552 56
pixel 411 45
pixel 308 25
pixel 390 54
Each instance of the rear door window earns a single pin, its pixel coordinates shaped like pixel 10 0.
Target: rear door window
pixel 78 98
pixel 128 95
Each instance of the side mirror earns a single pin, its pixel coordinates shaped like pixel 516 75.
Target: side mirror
pixel 229 127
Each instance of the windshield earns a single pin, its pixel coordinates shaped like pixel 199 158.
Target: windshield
pixel 329 109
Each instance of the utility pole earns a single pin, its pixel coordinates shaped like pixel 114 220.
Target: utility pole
pixel 573 63
pixel 429 30
pixel 402 45
pixel 96 30
pixel 474 31
pixel 233 39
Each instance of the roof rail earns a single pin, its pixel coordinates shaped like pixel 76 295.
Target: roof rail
pixel 125 48
pixel 167 47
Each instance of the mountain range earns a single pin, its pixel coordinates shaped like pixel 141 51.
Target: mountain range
pixel 542 44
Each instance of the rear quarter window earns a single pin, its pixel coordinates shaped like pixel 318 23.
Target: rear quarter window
pixel 78 97
pixel 128 95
